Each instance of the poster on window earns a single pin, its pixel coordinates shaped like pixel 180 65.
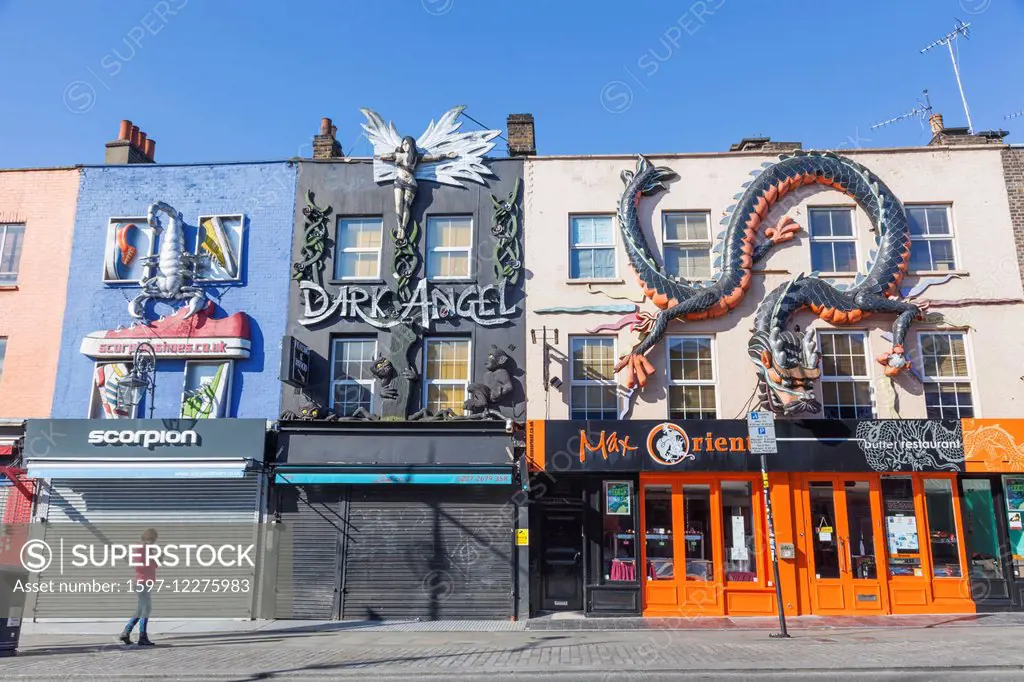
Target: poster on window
pixel 618 497
pixel 1014 493
pixel 902 532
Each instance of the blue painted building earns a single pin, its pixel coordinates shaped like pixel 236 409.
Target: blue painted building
pixel 231 224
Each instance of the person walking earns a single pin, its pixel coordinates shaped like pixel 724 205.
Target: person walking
pixel 145 579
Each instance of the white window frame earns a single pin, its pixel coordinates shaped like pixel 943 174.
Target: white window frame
pixel 357 249
pixel 227 388
pixel 573 381
pixel 370 384
pixel 3 239
pixel 240 256
pixel 967 379
pixel 428 382
pixel 950 237
pixel 468 250
pixel 613 247
pixel 713 382
pixel 141 224
pixel 852 239
pixel 839 379
pixel 94 399
pixel 689 244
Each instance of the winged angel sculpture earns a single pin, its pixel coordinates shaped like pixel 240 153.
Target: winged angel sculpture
pixel 441 154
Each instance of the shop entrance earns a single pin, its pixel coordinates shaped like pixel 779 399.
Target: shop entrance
pixel 844 525
pixel 561 563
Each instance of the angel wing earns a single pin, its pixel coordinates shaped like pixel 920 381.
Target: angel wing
pixel 443 138
pixel 385 139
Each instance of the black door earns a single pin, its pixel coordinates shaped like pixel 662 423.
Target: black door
pixel 988 568
pixel 561 565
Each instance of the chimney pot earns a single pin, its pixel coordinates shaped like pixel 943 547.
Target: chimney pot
pixel 935 121
pixel 150 149
pixel 142 141
pixel 325 126
pixel 126 130
pixel 134 136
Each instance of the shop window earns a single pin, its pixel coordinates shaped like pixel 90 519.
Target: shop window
pixel 688 244
pixel 358 248
pixel 931 240
pixel 845 384
pixel 860 530
pixel 592 254
pixel 901 526
pixel 449 243
pixel 947 386
pixel 219 243
pixel 738 530
pixel 113 396
pixel 691 373
pixel 447 374
pixel 619 545
pixel 129 241
pixel 980 529
pixel 938 499
pixel 823 534
pixel 11 238
pixel 697 517
pixel 833 245
pixel 207 391
pixel 658 536
pixel 593 393
pixel 352 380
pixel 1013 487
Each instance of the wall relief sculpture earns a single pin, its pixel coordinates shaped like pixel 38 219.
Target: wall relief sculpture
pixel 316 242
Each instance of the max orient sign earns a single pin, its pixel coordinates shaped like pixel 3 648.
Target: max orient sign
pixel 724 445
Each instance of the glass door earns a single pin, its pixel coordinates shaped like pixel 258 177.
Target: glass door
pixel 844 529
pixel 985 566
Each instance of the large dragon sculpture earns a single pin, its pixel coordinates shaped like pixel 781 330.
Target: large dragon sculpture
pixel 786 361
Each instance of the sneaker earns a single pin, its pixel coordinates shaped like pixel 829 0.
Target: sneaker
pixel 125 638
pixel 144 640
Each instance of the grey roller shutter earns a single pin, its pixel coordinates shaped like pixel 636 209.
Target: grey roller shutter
pixel 4 489
pixel 428 552
pixel 308 553
pixel 99 511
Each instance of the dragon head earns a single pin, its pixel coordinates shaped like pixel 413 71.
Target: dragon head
pixel 787 365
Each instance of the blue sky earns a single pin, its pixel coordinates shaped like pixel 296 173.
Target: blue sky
pixel 235 80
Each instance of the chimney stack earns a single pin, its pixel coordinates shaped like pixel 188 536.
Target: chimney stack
pixel 935 121
pixel 325 145
pixel 521 140
pixel 131 146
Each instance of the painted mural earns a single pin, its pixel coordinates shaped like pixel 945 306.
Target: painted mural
pixel 161 315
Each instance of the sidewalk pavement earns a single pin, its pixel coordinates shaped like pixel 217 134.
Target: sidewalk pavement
pixel 952 647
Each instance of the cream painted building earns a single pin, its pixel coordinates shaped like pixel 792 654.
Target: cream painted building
pixel 966 364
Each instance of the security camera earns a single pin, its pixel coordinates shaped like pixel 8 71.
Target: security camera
pixel 555 382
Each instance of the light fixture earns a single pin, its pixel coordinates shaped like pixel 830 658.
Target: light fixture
pixel 555 382
pixel 138 382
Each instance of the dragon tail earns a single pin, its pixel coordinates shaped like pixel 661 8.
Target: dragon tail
pixel 654 178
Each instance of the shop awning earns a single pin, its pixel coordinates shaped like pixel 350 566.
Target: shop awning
pixel 395 478
pixel 56 468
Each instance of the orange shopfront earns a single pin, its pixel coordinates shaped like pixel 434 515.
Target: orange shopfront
pixel 867 516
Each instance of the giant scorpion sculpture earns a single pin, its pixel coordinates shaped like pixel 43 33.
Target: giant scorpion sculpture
pixel 171 273
pixel 786 361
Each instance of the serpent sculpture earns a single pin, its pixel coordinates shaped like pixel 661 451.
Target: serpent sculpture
pixel 785 361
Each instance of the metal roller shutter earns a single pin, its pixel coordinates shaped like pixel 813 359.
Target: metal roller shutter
pixel 307 568
pixel 4 489
pixel 428 552
pixel 100 511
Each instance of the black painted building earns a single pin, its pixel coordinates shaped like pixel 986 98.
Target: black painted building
pixel 400 450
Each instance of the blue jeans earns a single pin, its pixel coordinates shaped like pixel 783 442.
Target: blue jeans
pixel 141 617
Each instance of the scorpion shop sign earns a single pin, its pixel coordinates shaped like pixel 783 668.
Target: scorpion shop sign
pixel 380 307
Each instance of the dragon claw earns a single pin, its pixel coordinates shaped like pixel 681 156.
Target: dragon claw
pixel 638 369
pixel 783 231
pixel 895 362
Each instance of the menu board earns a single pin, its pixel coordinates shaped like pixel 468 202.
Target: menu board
pixel 1014 493
pixel 902 534
pixel 618 497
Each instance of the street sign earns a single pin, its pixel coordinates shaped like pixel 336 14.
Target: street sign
pixel 761 429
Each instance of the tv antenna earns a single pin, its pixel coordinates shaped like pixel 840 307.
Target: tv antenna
pixel 961 29
pixel 923 111
pixel 1016 114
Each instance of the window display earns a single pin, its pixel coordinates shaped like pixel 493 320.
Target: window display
pixel 619 548
pixel 860 530
pixel 980 529
pixel 1014 488
pixel 901 526
pixel 738 531
pixel 938 496
pixel 697 516
pixel 658 532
